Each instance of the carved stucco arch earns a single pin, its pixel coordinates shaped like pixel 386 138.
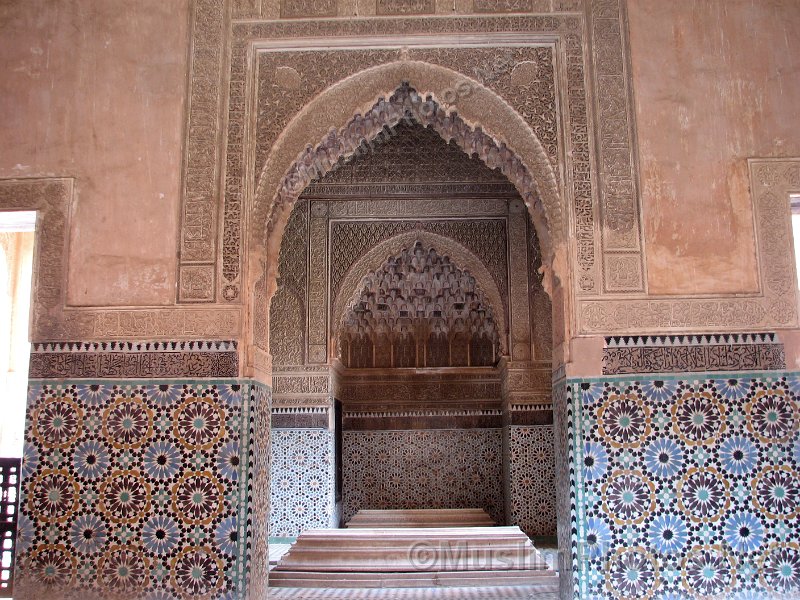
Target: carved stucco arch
pixel 459 255
pixel 484 112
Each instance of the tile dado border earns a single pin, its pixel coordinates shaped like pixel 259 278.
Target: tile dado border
pixel 691 354
pixel 212 240
pixel 295 417
pixel 126 360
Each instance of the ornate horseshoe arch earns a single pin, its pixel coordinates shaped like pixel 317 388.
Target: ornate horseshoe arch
pixel 480 122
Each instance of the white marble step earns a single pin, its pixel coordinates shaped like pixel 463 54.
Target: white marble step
pixel 411 557
pixel 448 517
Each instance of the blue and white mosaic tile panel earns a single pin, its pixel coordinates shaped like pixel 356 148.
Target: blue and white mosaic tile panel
pixel 302 481
pixel 531 472
pixel 134 489
pixel 687 487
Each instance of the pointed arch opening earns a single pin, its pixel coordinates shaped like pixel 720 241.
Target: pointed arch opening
pixel 486 129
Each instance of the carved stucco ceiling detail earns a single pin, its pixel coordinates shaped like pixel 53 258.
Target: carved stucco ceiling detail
pixel 486 238
pixel 374 259
pixel 419 309
pixel 411 153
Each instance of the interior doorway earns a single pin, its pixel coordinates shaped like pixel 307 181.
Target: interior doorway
pixel 17 231
pixel 410 280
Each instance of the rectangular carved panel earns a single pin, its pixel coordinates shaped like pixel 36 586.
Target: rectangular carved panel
pixel 201 159
pixel 318 284
pixel 405 7
pixel 196 283
pixel 502 6
pixel 291 9
pixel 619 201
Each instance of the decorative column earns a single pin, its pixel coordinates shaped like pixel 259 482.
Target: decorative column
pixel 317 350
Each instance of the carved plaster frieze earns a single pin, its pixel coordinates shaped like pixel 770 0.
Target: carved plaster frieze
pixel 300 385
pixel 147 323
pixel 509 78
pixel 117 360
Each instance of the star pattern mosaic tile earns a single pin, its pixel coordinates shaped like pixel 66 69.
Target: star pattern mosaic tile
pixel 301 481
pixel 687 488
pixel 134 489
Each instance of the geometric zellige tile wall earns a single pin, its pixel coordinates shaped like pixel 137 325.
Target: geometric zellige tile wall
pixel 434 468
pixel 689 488
pixel 302 481
pixel 132 490
pixel 532 479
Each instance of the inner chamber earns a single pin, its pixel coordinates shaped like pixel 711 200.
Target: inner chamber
pixel 411 343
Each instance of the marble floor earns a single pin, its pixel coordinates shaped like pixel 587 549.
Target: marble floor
pixel 489 593
pixel 492 593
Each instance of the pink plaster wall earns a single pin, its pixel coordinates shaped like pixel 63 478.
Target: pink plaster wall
pixel 716 82
pixel 95 90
